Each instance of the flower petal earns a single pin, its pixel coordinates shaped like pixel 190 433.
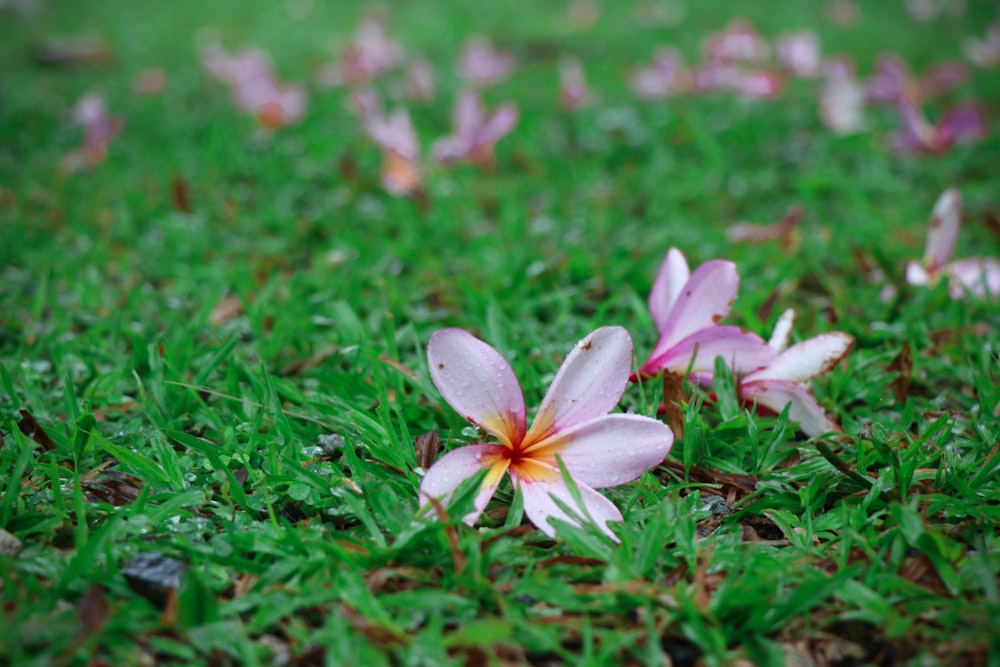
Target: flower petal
pixel 782 331
pixel 459 465
pixel 978 275
pixel 776 394
pixel 589 383
pixel 943 232
pixel 478 382
pixel 807 359
pixel 615 449
pixel 743 351
pixel 704 301
pixel 667 286
pixel 540 507
pixel 916 274
pixel 468 115
pixel 503 120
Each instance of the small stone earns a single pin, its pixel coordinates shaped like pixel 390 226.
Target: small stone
pixel 9 545
pixel 152 575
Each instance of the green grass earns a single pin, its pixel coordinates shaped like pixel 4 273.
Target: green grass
pixel 202 441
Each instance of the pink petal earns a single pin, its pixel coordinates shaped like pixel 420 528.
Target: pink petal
pixel 468 115
pixel 776 394
pixel 449 149
pixel 807 359
pixel 963 123
pixel 888 81
pixel 942 78
pixel 499 125
pixel 458 465
pixel 980 276
pixel 615 449
pixel 395 134
pixel 743 352
pixel 943 233
pixel 589 383
pixel 704 301
pixel 916 274
pixel 540 507
pixel 667 286
pixel 478 382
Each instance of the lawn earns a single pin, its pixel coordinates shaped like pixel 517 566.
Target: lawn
pixel 216 405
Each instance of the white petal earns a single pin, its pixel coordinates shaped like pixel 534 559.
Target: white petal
pixel 615 449
pixel 589 383
pixel 478 382
pixel 943 232
pixel 742 350
pixel 704 301
pixel 977 275
pixel 807 359
pixel 667 286
pixel 804 410
pixel 916 274
pixel 459 465
pixel 782 331
pixel 539 506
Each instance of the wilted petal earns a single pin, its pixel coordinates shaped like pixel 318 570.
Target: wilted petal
pixel 589 383
pixel 807 359
pixel 540 507
pixel 782 331
pixel 478 382
pixel 615 449
pixel 458 465
pixel 704 301
pixel 980 276
pixel 776 394
pixel 667 286
pixel 943 233
pixel 742 351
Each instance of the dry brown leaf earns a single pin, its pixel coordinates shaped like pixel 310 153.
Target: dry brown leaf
pixel 673 398
pixel 31 428
pixel 227 309
pixel 427 445
pixel 902 365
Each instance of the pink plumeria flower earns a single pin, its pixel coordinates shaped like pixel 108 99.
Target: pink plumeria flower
pixel 962 123
pixel 395 135
pixel 476 133
pixel 979 276
pixel 598 449
pixel 984 52
pixel 687 309
pixel 99 128
pixel 420 81
pixel 573 91
pixel 664 75
pixel 255 86
pixel 892 80
pixel 371 52
pixel 785 380
pixel 739 41
pixel 482 65
pixel 842 98
pixel 799 53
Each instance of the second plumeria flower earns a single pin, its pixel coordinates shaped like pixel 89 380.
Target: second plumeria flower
pixel 596 448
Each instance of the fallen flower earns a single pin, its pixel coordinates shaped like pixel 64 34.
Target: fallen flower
pixel 596 448
pixel 663 76
pixel 476 134
pixel 687 309
pixel 748 83
pixel 979 276
pixel 398 140
pixel 783 229
pixel 255 87
pixel 962 123
pixel 738 41
pixel 984 52
pixel 892 81
pixel 842 98
pixel 482 65
pixel 785 381
pixel 799 53
pixel 99 128
pixel 369 53
pixel 420 84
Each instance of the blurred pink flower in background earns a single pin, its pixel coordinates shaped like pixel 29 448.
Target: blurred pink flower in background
pixel 748 83
pixel 984 52
pixel 475 133
pixel 799 53
pixel 395 135
pixel 842 98
pixel 420 81
pixel 573 423
pixel 255 86
pixel 99 128
pixel 370 52
pixel 892 80
pixel 664 75
pixel 573 91
pixel 979 276
pixel 482 65
pixel 738 41
pixel 962 123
